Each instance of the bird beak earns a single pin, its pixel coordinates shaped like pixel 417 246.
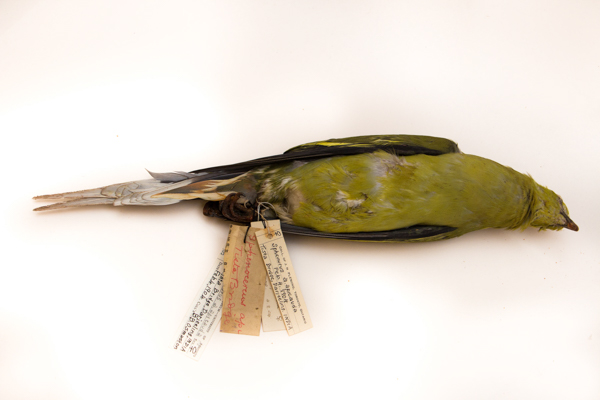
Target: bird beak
pixel 570 224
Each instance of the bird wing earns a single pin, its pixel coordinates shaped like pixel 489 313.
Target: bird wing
pixel 402 145
pixel 416 232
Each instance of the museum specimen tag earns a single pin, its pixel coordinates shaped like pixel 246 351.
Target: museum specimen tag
pixel 203 316
pixel 283 278
pixel 271 316
pixel 244 283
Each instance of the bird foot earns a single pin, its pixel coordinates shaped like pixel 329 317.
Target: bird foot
pixel 233 208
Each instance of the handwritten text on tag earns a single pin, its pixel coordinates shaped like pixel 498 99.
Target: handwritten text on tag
pixel 244 283
pixel 203 317
pixel 283 279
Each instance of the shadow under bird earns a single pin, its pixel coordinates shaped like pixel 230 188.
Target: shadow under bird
pixel 367 188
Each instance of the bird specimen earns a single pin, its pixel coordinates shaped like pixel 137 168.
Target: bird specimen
pixel 366 188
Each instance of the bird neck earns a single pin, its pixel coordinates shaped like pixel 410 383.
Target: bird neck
pixel 537 203
pixel 533 202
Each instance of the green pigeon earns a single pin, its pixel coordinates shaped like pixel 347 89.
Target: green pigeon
pixel 366 188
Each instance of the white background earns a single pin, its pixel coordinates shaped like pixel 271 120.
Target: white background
pixel 91 93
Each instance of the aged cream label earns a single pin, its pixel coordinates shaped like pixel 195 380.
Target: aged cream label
pixel 244 283
pixel 271 316
pixel 283 280
pixel 203 316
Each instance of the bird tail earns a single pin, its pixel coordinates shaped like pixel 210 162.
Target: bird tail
pixel 163 189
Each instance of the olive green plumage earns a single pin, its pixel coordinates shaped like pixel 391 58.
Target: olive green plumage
pixel 384 191
pixel 384 187
pixel 381 191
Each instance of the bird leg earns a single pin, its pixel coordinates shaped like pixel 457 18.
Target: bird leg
pixel 233 208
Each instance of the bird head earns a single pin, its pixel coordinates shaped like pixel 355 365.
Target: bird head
pixel 549 211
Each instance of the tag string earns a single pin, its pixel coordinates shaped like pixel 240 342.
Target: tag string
pixel 264 220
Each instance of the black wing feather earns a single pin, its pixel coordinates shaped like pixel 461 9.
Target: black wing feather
pixel 403 145
pixel 397 235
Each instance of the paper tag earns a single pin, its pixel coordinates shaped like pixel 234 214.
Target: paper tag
pixel 283 279
pixel 203 316
pixel 244 287
pixel 271 316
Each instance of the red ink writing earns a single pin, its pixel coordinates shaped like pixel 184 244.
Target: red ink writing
pixel 233 283
pixel 249 255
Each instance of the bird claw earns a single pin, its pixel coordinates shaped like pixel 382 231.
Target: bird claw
pixel 231 209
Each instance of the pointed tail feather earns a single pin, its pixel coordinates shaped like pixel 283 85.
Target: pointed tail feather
pixel 148 192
